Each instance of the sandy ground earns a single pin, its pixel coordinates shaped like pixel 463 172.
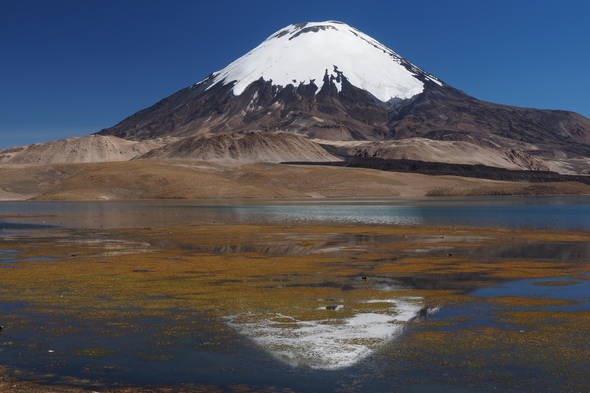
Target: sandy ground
pixel 131 180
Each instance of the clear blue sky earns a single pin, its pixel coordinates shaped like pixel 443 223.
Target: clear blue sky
pixel 73 67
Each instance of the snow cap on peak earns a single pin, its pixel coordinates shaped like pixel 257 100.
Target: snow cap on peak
pixel 304 53
pixel 297 29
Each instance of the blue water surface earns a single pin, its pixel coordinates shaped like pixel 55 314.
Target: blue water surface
pixel 546 213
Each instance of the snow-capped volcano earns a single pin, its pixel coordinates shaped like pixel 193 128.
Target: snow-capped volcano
pixel 326 80
pixel 307 53
pixel 331 82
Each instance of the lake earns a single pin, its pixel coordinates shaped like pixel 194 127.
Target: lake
pixel 296 296
pixel 556 213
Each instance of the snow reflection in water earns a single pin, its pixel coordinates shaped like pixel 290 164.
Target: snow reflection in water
pixel 331 343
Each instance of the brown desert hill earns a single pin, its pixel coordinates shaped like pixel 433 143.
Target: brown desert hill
pixel 428 150
pixel 146 179
pixel 252 146
pixel 510 155
pixel 92 148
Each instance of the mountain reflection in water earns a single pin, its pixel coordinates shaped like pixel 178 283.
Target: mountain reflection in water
pixel 329 344
pixel 329 308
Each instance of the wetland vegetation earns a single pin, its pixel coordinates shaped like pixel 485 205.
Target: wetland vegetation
pixel 296 307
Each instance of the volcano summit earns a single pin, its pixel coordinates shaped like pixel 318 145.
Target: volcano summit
pixel 321 79
pixel 326 53
pixel 324 91
pixel 336 85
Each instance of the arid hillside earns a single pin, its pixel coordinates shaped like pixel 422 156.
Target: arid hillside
pixel 146 179
pixel 91 148
pixel 252 146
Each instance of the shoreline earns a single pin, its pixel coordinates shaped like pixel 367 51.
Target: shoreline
pixel 308 200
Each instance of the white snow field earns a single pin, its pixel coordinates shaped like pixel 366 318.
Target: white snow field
pixel 299 54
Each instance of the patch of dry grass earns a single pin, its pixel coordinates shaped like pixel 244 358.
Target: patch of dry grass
pixel 129 180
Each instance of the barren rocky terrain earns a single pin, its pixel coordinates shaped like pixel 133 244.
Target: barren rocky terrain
pixel 91 148
pixel 253 146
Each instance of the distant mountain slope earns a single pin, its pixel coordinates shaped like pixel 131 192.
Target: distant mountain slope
pixel 328 80
pixel 428 150
pixel 243 147
pixel 92 148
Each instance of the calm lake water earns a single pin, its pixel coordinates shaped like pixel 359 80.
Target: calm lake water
pixel 89 303
pixel 556 213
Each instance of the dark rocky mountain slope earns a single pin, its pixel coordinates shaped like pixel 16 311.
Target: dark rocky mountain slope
pixel 341 98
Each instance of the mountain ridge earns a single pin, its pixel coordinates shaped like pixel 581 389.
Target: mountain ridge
pixel 336 108
pixel 329 81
